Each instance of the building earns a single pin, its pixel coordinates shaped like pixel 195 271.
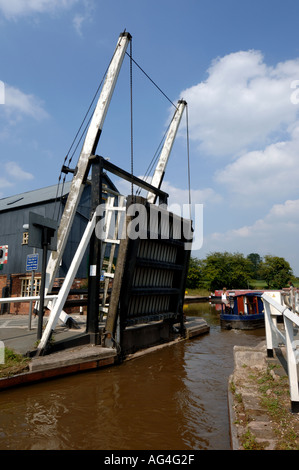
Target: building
pixel 15 279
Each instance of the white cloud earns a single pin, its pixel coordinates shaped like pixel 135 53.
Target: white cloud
pixel 18 104
pixel 289 211
pixel 177 196
pixel 276 234
pixel 244 120
pixel 77 22
pixel 242 104
pixel 264 175
pixel 12 175
pixel 4 183
pixel 197 196
pixel 15 171
pixel 85 17
pixel 279 223
pixel 13 9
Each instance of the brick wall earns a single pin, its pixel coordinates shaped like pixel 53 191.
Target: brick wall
pixel 22 308
pixel 2 283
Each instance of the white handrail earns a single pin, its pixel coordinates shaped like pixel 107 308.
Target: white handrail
pixel 29 298
pixel 274 337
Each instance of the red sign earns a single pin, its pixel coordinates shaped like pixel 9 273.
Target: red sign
pixel 3 254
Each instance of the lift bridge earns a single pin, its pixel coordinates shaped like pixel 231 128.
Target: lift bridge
pixel 149 246
pixel 146 250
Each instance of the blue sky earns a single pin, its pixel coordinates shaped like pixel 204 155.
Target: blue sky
pixel 236 63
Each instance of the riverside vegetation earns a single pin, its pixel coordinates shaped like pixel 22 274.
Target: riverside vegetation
pixel 13 363
pixel 235 271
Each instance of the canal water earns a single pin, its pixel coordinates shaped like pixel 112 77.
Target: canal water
pixel 171 399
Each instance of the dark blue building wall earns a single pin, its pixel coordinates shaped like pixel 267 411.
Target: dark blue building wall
pixel 11 234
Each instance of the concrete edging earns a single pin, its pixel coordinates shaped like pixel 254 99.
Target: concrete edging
pixel 234 440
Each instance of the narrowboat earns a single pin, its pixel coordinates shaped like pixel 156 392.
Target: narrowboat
pixel 243 312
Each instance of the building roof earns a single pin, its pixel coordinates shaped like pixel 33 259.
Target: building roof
pixel 34 197
pixel 37 196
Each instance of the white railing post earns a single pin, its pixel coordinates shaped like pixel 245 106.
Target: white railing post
pixel 297 302
pixel 289 319
pixel 271 339
pixel 273 335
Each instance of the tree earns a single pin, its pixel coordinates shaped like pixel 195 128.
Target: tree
pixel 255 260
pixel 276 271
pixel 231 270
pixel 194 277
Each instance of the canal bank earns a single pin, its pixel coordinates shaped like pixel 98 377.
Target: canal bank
pixel 259 403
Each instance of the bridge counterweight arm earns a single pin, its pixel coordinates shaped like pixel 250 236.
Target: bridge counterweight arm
pixel 88 149
pixel 166 150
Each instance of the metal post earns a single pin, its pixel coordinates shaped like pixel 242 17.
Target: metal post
pixel 92 319
pixel 45 243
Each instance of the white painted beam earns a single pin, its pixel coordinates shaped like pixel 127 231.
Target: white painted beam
pixel 88 149
pixel 65 288
pixel 166 150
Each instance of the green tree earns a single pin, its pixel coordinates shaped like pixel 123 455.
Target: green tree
pixel 231 270
pixel 255 260
pixel 276 271
pixel 194 277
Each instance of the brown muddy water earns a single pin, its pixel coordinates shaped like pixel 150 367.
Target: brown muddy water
pixel 171 399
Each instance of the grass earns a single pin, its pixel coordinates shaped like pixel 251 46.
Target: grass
pixel 255 284
pixel 249 441
pixel 201 291
pixel 198 292
pixel 13 363
pixel 275 398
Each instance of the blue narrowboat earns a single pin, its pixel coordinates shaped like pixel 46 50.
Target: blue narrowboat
pixel 243 312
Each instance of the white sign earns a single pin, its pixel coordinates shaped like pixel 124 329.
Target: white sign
pixel 93 270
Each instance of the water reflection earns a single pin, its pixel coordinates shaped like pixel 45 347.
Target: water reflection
pixel 172 399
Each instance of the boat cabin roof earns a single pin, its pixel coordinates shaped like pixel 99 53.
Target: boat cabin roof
pixel 248 294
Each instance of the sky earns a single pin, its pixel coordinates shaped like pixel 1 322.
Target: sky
pixel 235 63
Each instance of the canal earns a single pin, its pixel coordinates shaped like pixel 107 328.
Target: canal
pixel 171 399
